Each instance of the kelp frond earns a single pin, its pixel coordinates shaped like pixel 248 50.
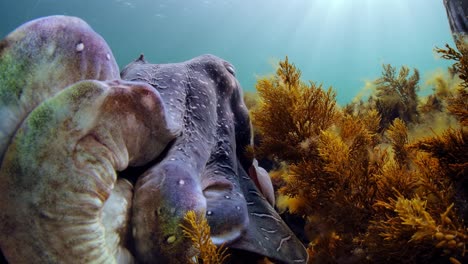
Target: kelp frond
pixel 291 113
pixel 396 95
pixel 461 61
pixel 458 105
pixel 398 136
pixel 411 222
pixel 371 119
pixel 390 176
pixel 411 216
pixel 196 229
pixel 251 99
pixel 289 74
pixel 434 185
pixel 450 148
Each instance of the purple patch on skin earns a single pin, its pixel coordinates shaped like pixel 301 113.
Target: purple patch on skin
pixel 40 59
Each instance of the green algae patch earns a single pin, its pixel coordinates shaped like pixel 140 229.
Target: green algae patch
pixel 38 120
pixel 32 138
pixel 39 129
pixel 12 79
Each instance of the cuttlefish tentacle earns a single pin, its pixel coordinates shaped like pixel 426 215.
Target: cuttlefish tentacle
pixel 42 57
pixel 60 169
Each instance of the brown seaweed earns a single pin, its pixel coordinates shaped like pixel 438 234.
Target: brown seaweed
pixel 367 188
pixel 196 229
pixel 396 95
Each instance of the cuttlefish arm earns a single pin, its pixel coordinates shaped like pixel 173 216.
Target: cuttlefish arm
pixel 41 58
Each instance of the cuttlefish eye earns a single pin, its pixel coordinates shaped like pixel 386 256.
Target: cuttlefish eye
pixel 230 69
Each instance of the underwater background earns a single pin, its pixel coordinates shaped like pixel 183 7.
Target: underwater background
pixel 372 170
pixel 339 43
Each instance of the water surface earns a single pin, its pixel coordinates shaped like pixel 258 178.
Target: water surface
pixel 340 43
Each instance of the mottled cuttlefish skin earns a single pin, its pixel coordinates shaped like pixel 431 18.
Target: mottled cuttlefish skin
pixel 42 57
pixel 61 200
pixel 204 169
pixel 63 139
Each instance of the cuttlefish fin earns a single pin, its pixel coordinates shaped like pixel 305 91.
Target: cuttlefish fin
pixel 267 234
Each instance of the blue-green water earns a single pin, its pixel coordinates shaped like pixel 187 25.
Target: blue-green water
pixel 340 43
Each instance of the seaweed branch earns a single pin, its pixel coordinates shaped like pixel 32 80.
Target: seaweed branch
pixel 396 95
pixel 291 113
pixel 458 104
pixel 196 228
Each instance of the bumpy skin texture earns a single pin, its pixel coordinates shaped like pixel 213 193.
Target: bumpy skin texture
pixel 204 170
pixel 65 144
pixel 55 192
pixel 41 58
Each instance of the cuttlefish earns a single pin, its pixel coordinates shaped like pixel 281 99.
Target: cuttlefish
pixel 72 126
pixel 205 168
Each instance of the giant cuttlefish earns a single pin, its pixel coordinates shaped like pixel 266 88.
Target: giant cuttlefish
pixel 71 126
